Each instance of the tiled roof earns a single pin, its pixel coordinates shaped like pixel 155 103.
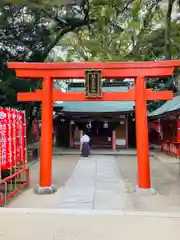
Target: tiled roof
pixel 169 106
pixel 94 106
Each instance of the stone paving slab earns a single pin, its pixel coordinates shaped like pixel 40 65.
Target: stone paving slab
pixel 19 226
pixel 95 184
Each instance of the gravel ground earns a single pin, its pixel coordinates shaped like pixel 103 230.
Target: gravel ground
pixel 63 166
pixel 164 179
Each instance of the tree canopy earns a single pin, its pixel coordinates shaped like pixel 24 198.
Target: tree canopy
pixel 96 30
pixel 29 30
pixel 29 34
pixel 127 30
pixel 132 30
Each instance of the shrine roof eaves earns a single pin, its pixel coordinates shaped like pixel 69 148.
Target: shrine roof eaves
pixel 97 107
pixel 167 107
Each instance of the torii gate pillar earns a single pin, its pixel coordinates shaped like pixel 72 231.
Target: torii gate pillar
pixel 45 182
pixel 142 134
pixel 136 70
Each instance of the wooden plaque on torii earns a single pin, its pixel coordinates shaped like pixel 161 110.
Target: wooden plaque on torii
pixel 93 80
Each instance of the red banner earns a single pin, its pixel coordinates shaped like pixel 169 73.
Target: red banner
pixel 12 138
pixel 18 138
pixel 4 138
pixel 13 114
pixel 22 145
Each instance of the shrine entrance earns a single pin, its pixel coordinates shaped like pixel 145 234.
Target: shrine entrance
pixel 92 71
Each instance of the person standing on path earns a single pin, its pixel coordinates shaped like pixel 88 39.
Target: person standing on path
pixel 85 149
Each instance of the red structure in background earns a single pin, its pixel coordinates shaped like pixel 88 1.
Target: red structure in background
pixel 14 173
pixel 165 127
pixel 137 70
pixel 155 135
pixel 170 130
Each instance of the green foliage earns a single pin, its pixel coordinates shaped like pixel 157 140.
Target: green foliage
pixel 121 30
pixel 29 30
pixel 131 30
pixel 35 3
pixel 29 33
pixel 124 30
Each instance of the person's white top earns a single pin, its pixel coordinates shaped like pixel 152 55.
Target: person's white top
pixel 85 138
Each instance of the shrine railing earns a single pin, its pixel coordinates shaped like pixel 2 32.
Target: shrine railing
pixel 13 184
pixel 171 147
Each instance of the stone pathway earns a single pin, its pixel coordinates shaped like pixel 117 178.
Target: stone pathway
pixel 95 184
pixel 106 152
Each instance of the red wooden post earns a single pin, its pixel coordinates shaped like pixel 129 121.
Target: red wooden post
pixel 45 185
pixel 70 135
pixel 114 140
pixel 127 132
pixel 178 129
pixel 142 134
pixel 178 136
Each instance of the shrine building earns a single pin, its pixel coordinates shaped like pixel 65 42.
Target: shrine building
pixel 164 127
pixel 109 124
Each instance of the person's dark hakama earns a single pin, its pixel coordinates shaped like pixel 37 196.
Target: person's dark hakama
pixel 85 149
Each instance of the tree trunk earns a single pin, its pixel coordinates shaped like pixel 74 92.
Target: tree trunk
pixel 168 54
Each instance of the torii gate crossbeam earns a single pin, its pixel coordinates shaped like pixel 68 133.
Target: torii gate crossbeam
pixel 136 70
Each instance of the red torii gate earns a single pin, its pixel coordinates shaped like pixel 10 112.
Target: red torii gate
pixel 137 70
